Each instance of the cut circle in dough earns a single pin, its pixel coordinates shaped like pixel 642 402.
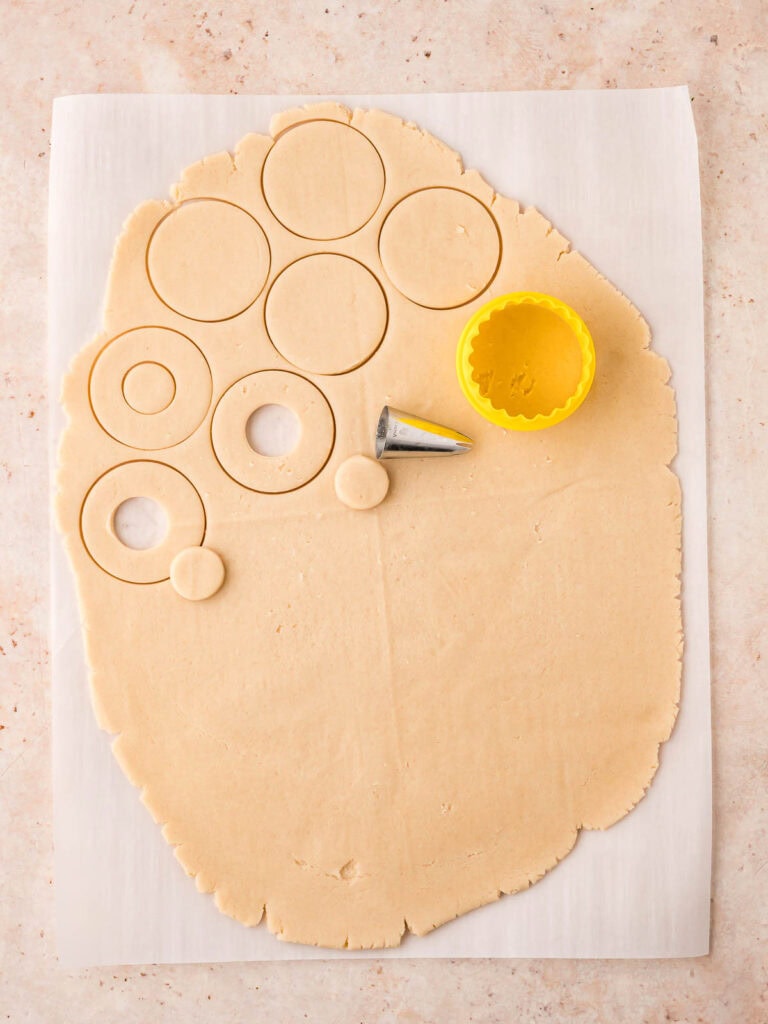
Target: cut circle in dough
pixel 361 482
pixel 208 260
pixel 117 403
pixel 142 479
pixel 197 573
pixel 440 247
pixel 272 474
pixel 326 313
pixel 149 388
pixel 323 179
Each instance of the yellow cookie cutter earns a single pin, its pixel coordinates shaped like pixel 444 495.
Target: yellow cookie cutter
pixel 478 396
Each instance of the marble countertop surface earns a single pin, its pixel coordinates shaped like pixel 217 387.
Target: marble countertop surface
pixel 721 50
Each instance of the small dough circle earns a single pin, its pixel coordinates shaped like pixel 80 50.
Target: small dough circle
pixel 361 482
pixel 326 313
pixel 273 474
pixel 323 179
pixel 113 396
pixel 163 484
pixel 197 573
pixel 149 388
pixel 208 260
pixel 440 247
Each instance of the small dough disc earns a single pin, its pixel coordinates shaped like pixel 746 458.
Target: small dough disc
pixel 149 388
pixel 361 482
pixel 208 259
pixel 323 179
pixel 440 247
pixel 197 573
pixel 326 313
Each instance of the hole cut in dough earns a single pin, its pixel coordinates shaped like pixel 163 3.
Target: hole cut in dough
pixel 140 523
pixel 323 179
pixel 440 247
pixel 273 430
pixel 208 260
pixel 326 313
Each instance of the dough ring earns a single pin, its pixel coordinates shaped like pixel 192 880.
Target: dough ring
pixel 266 473
pixel 161 483
pixel 133 365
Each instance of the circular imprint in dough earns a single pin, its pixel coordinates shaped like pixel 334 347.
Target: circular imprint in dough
pixel 440 247
pixel 130 380
pixel 361 482
pixel 197 573
pixel 163 484
pixel 208 260
pixel 267 473
pixel 149 388
pixel 326 313
pixel 323 179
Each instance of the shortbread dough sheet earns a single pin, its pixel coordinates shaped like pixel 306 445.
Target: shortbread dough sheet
pixel 407 801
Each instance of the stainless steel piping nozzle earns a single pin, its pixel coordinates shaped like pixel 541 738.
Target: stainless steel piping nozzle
pixel 401 435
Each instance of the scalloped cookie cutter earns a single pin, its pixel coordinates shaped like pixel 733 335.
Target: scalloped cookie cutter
pixel 525 361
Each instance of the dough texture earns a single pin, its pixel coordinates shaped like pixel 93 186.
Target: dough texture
pixel 197 573
pixel 208 259
pixel 361 483
pixel 326 314
pixel 440 247
pixel 382 719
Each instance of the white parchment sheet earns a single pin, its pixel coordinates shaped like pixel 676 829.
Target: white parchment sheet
pixel 617 173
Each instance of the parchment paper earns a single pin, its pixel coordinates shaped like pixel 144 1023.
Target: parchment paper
pixel 617 173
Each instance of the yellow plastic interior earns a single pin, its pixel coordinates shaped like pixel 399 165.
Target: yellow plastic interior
pixel 526 360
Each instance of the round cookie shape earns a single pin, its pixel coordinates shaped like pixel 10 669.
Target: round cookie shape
pixel 208 260
pixel 130 379
pixel 440 247
pixel 273 474
pixel 197 573
pixel 149 388
pixel 361 483
pixel 323 179
pixel 171 490
pixel 326 313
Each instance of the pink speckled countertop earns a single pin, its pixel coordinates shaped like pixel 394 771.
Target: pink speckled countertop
pixel 50 49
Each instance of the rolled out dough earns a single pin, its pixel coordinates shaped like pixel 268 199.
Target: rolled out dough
pixel 383 718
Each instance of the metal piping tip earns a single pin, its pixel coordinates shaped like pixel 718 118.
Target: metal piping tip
pixel 401 435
